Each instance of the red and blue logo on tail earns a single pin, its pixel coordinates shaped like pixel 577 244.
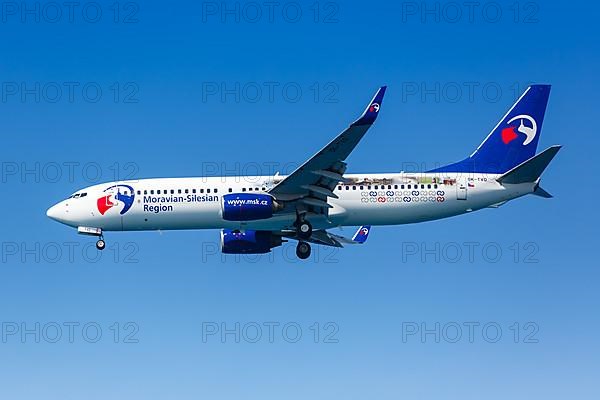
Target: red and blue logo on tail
pixel 513 140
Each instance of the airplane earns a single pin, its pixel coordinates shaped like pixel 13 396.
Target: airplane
pixel 258 214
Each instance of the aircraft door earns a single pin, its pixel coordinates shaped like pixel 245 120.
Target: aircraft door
pixel 461 189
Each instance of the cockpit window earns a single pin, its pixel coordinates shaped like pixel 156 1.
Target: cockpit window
pixel 77 195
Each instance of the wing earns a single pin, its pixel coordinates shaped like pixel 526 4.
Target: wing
pixel 329 239
pixel 313 182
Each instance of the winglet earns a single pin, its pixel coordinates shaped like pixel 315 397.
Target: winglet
pixel 361 234
pixel 372 110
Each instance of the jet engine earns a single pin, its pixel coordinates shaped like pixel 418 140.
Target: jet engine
pixel 248 206
pixel 248 242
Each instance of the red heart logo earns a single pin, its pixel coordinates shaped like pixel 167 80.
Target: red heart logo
pixel 508 134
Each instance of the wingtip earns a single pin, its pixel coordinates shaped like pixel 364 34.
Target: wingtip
pixel 369 116
pixel 362 234
pixel 554 148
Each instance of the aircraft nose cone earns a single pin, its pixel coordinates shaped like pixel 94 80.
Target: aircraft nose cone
pixel 59 213
pixel 53 212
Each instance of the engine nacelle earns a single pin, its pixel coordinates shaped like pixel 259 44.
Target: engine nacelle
pixel 248 242
pixel 248 206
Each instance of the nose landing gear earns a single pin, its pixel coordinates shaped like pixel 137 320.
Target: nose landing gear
pixel 101 244
pixel 89 231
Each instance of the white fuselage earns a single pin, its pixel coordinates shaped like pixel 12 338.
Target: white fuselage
pixel 366 199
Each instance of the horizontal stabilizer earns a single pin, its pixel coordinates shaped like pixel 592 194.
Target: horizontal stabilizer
pixel 542 193
pixel 530 170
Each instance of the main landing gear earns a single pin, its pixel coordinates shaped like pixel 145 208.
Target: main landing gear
pixel 304 232
pixel 303 250
pixel 303 227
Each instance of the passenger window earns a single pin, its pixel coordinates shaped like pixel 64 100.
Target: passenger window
pixel 395 187
pixel 207 190
pixel 243 189
pixel 339 188
pixel 178 191
pixel 215 191
pixel 428 186
pixel 369 187
pixel 145 192
pixel 435 186
pixel 194 191
pixel 401 186
pixel 422 186
pixel 172 191
pixel 362 187
pixel 347 187
pixel 230 190
pixel 389 186
pixel 376 187
pixel 139 192
pixel 353 187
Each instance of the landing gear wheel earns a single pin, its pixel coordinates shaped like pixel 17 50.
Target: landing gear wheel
pixel 100 244
pixel 303 250
pixel 304 229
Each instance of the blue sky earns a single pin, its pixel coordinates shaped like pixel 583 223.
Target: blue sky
pixel 182 89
